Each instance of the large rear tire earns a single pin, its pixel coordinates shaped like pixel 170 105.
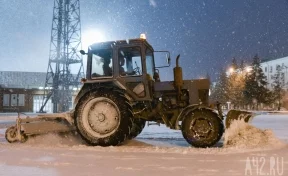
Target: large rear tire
pixel 104 118
pixel 137 127
pixel 202 128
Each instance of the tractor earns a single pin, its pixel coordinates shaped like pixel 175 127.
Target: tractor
pixel 122 91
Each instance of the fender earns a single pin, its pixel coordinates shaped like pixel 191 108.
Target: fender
pixel 89 87
pixel 189 109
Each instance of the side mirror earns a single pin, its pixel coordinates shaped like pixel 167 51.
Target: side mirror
pixel 82 52
pixel 169 60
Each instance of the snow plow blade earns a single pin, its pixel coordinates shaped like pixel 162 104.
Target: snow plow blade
pixel 238 115
pixel 41 124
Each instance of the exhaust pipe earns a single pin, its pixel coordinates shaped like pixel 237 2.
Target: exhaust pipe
pixel 178 77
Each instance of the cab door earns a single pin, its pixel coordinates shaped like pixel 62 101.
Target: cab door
pixel 130 71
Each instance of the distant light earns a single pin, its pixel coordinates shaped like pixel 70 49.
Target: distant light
pixel 74 88
pixel 231 70
pixel 248 69
pixel 143 36
pixel 41 88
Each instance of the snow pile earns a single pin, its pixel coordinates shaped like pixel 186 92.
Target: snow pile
pixel 52 139
pixel 243 135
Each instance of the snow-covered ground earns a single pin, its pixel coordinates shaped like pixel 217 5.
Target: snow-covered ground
pixel 156 151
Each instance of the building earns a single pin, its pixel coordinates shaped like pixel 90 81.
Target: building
pixel 22 91
pixel 269 69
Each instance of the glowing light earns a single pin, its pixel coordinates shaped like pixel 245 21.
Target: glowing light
pixel 248 69
pixel 231 70
pixel 92 36
pixel 143 36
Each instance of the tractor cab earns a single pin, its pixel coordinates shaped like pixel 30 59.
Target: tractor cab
pixel 126 64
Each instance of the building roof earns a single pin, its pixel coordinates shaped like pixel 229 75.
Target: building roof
pixel 268 60
pixel 26 80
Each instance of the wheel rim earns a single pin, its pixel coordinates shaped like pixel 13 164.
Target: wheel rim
pixel 201 128
pixel 101 117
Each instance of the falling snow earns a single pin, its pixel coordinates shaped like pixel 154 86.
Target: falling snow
pixel 205 33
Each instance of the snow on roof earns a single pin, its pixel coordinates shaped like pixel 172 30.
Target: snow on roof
pixel 268 60
pixel 27 80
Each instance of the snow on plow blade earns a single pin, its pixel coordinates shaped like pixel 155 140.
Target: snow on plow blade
pixel 42 124
pixel 238 115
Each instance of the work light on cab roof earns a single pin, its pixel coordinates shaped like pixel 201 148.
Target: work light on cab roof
pixel 143 36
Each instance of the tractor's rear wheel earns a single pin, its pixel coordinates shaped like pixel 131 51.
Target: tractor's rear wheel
pixel 202 128
pixel 137 127
pixel 104 118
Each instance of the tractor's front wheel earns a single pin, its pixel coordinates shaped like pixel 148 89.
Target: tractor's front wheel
pixel 202 128
pixel 104 118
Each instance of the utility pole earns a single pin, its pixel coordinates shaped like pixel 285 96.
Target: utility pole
pixel 65 66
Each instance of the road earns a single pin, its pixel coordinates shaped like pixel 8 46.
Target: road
pixel 157 151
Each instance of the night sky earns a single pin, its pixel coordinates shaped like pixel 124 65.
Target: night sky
pixel 207 34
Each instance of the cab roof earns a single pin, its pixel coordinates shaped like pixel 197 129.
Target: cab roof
pixel 110 44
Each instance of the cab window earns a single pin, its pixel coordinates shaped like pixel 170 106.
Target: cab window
pixel 149 62
pixel 102 63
